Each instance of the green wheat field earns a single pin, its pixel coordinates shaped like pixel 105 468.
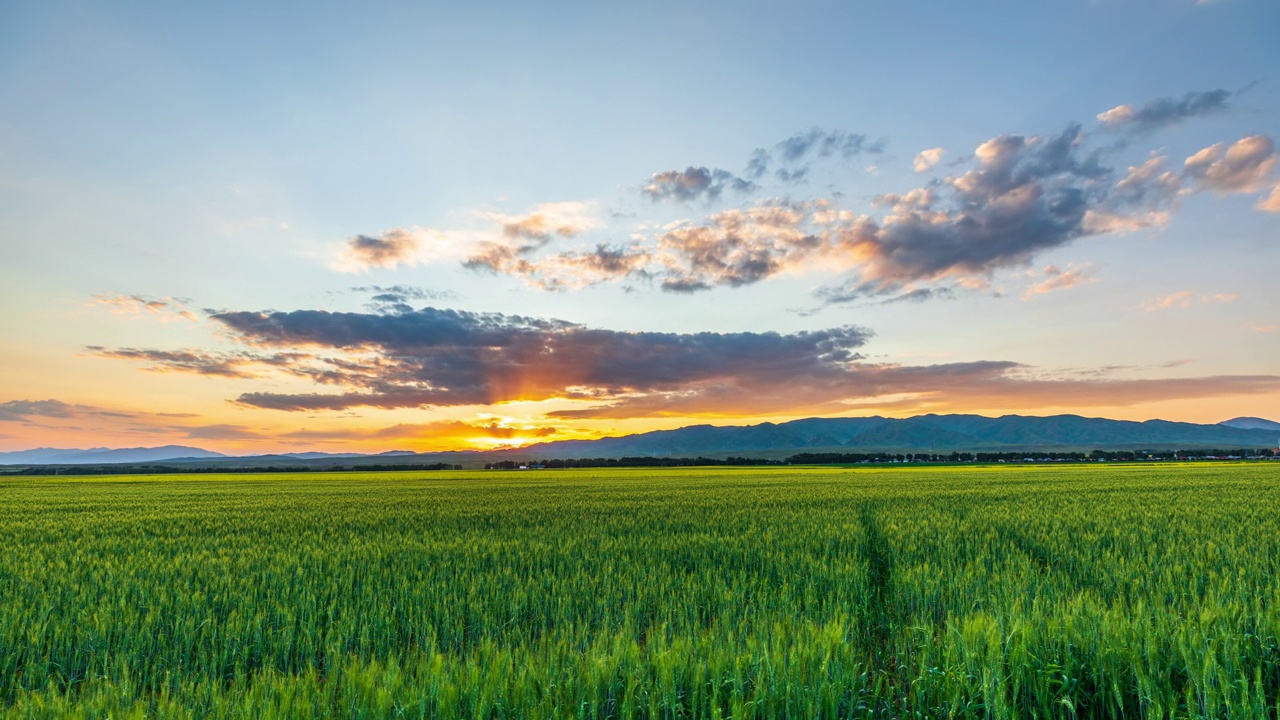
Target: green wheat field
pixel 970 592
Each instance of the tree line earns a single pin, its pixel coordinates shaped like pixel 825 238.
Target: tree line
pixel 627 462
pixel 1025 456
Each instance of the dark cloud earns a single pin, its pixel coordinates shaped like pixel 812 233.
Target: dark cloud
pixel 29 411
pixel 447 357
pixel 826 143
pixel 1027 195
pixel 792 176
pixel 694 183
pixel 385 250
pixel 438 357
pixel 790 158
pixel 921 295
pixel 684 285
pixel 1163 112
pixel 450 357
pixel 19 410
pixel 193 361
pixel 758 163
pixel 402 293
pixel 397 298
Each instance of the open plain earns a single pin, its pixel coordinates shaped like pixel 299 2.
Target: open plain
pixel 1013 591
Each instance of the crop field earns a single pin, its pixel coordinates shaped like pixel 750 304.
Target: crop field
pixel 1003 592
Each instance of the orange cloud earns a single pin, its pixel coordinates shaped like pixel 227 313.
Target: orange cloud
pixel 1187 298
pixel 1056 278
pixel 1270 203
pixel 1241 168
pixel 166 308
pixel 926 159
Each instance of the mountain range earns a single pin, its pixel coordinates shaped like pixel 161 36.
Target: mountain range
pixel 99 456
pixel 923 433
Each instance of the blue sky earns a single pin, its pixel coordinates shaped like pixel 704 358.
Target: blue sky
pixel 592 165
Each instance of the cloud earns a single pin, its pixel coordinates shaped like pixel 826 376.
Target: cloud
pixel 1141 199
pixel 790 158
pixel 1241 168
pixel 826 143
pixel 521 236
pixel 926 159
pixel 167 308
pixel 1187 298
pixel 736 247
pixel 1013 199
pixel 449 357
pixel 1163 112
pixel 402 293
pixel 1270 203
pixel 694 183
pixel 31 411
pixel 396 298
pixel 390 248
pixel 1025 196
pixel 20 410
pixel 1182 298
pixel 548 220
pixel 1022 196
pixel 501 234
pixel 439 357
pixel 567 270
pixel 198 362
pixel 1056 278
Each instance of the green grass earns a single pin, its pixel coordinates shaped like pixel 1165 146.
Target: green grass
pixel 1073 592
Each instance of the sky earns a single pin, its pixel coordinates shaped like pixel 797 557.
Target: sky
pixel 276 227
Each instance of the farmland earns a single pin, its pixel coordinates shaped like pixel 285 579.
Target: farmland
pixel 1073 592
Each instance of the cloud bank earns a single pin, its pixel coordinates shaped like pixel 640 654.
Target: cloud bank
pixel 440 358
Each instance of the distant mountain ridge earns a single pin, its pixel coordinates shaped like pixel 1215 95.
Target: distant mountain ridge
pixel 59 456
pixel 1252 423
pixel 167 453
pixel 922 433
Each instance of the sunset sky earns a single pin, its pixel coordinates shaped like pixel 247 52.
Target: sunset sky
pixel 273 227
